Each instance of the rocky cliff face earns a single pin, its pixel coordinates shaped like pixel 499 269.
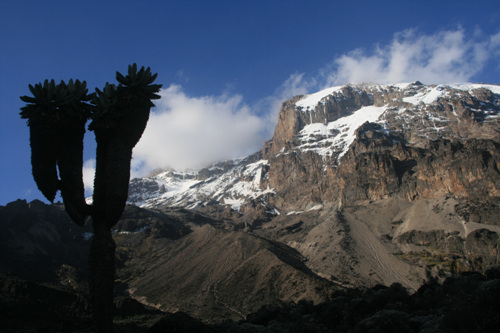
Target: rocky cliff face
pixel 358 169
pixel 354 142
pixel 370 142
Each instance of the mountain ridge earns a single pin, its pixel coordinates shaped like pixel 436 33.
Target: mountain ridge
pixel 406 115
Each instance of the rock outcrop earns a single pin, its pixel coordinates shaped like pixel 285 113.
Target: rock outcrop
pixel 424 141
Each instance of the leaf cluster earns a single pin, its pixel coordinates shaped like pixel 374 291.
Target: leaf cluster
pixel 133 94
pixel 58 104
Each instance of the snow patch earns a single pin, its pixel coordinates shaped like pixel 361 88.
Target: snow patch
pixel 235 203
pixel 317 207
pixel 310 101
pixel 183 190
pixel 133 232
pixel 427 96
pixel 430 94
pixel 337 135
pixel 471 86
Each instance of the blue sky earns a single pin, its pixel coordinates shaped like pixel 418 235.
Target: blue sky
pixel 226 66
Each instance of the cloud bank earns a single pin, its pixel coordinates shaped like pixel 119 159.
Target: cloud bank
pixel 88 174
pixel 192 132
pixel 444 57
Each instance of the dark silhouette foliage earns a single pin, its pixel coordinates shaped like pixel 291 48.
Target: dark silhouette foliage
pixel 57 115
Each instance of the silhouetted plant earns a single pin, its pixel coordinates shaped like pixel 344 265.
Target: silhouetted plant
pixel 57 114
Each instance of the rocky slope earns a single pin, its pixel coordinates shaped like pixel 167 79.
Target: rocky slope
pixel 216 275
pixel 176 260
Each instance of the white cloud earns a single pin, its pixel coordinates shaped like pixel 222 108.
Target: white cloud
pixel 296 84
pixel 191 132
pixel 88 176
pixel 443 57
pixel 495 43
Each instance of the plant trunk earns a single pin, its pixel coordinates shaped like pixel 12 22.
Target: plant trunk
pixel 102 276
pixel 69 162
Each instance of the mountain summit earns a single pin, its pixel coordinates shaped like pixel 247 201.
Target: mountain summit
pixel 352 142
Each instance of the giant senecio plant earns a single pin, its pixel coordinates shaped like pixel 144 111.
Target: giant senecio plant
pixel 56 115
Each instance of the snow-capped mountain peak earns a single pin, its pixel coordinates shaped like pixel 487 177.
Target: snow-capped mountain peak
pixel 330 118
pixel 191 190
pixel 314 136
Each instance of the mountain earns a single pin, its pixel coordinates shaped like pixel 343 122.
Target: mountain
pixel 361 186
pixel 320 137
pixel 370 183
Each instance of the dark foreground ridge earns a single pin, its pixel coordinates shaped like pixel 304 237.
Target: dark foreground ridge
pixel 469 302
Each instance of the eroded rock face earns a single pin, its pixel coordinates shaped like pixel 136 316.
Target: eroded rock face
pixel 424 143
pixel 377 169
pixel 427 141
pixel 466 169
pixel 349 143
pixel 483 249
